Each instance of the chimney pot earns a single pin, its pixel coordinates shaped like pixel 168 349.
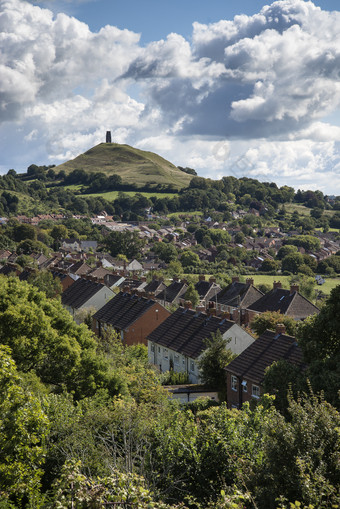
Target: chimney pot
pixel 201 277
pixel 250 280
pixel 212 280
pixel 294 288
pixel 280 328
pixel 277 284
pixel 187 304
pixel 235 279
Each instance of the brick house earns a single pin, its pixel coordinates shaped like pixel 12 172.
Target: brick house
pixel 172 293
pixel 132 316
pixel 179 341
pixel 245 374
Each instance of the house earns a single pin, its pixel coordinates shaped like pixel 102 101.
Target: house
pixel 132 316
pixel 85 294
pixel 236 297
pixel 65 279
pixel 172 293
pixel 88 246
pixel 288 302
pixel 113 280
pixel 156 286
pixel 245 374
pixel 71 245
pixel 205 289
pixel 178 342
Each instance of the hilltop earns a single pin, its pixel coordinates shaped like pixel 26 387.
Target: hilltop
pixel 134 166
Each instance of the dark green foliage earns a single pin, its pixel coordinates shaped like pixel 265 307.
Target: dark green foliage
pixel 214 360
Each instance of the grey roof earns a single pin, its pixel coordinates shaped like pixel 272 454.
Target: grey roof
pixel 287 302
pixel 238 294
pixel 174 290
pixel 123 310
pixel 185 330
pixel 80 292
pixel 268 348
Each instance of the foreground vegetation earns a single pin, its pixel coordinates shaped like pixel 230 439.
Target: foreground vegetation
pixel 86 422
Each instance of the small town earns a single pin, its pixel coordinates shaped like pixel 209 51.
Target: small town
pixel 169 254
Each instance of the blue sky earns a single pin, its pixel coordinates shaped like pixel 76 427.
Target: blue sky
pixel 247 88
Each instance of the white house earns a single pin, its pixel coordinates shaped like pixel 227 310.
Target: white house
pixel 178 342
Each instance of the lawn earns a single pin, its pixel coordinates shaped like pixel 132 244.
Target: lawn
pixel 326 288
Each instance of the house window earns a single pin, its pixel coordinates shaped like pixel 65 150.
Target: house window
pixel 234 383
pixel 255 391
pixel 192 366
pixel 159 349
pixel 176 359
pixel 244 385
pixel 165 353
pixel 152 347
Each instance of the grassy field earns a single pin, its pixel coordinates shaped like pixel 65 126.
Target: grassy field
pixel 186 214
pixel 326 288
pixel 112 195
pixel 304 211
pixel 133 165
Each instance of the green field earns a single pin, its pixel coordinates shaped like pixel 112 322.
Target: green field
pixel 304 211
pixel 326 288
pixel 112 195
pixel 186 214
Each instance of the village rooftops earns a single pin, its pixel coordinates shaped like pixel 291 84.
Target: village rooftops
pixel 185 330
pixel 269 347
pixel 288 302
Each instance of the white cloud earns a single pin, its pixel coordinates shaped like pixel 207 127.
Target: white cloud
pixel 248 94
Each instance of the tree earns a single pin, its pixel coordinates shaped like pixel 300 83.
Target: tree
pixel 270 319
pixel 23 427
pixel 43 337
pixel 319 338
pixel 127 243
pixel 59 232
pixel 214 360
pixel 192 295
pixel 292 263
pixel 301 456
pixel 189 259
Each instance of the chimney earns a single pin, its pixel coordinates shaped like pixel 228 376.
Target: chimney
pixel 175 279
pixel 294 288
pixel 277 284
pixel 225 315
pixel 151 295
pixel 250 281
pixel 187 304
pixel 143 279
pixel 212 280
pixel 235 279
pixel 201 277
pixel 126 289
pixel 280 328
pixel 200 309
pixel 212 311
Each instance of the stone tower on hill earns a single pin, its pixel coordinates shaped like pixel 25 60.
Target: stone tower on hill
pixel 108 137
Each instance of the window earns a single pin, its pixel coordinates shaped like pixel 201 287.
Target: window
pixel 244 385
pixel 255 392
pixel 159 349
pixel 192 366
pixel 176 359
pixel 165 353
pixel 234 383
pixel 152 347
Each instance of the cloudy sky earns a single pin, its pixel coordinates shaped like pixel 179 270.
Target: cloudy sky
pixel 244 88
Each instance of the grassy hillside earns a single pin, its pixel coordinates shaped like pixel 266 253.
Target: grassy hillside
pixel 133 165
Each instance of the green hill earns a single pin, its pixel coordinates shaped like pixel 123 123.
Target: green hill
pixel 135 166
